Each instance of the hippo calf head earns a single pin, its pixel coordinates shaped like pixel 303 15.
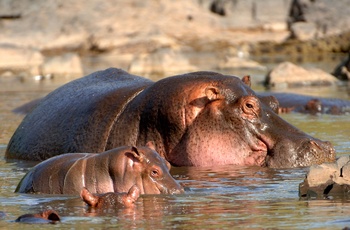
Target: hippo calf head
pixel 111 199
pixel 153 171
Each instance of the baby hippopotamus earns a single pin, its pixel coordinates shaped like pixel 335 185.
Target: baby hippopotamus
pixel 111 199
pixel 116 170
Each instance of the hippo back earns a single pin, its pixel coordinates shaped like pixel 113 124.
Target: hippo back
pixel 76 117
pixel 51 176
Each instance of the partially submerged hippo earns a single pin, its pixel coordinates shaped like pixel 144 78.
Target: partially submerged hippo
pixel 195 119
pixel 111 199
pixel 116 170
pixel 309 104
pixel 45 217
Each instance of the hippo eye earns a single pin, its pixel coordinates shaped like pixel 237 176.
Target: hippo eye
pixel 250 106
pixel 154 173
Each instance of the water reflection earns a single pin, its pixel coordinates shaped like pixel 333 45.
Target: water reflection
pixel 219 197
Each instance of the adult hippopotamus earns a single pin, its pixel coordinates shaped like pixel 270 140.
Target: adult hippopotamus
pixel 115 170
pixel 111 199
pixel 195 119
pixel 309 104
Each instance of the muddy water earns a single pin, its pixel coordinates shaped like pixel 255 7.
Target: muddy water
pixel 218 197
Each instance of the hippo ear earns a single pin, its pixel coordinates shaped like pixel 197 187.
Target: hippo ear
pixel 88 197
pixel 246 80
pixel 168 165
pixel 212 93
pixel 198 101
pixel 51 215
pixel 134 193
pixel 270 101
pixel 151 145
pixel 136 154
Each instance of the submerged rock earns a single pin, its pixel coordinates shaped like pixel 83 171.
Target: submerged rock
pixel 327 179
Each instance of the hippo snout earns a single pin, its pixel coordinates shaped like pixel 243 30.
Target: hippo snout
pixel 315 151
pixel 322 146
pixel 176 191
pixel 305 152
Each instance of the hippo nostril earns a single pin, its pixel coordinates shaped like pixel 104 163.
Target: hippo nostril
pixel 319 151
pixel 314 143
pixel 324 146
pixel 176 191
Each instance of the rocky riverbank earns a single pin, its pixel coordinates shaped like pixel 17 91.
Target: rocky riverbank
pixel 44 37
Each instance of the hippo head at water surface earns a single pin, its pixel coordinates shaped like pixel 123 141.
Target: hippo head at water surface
pixel 111 199
pixel 209 119
pixel 45 217
pixel 195 119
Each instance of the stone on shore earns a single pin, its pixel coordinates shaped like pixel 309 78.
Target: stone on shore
pixel 202 33
pixel 14 60
pixel 164 61
pixel 303 31
pixel 286 74
pixel 342 71
pixel 68 64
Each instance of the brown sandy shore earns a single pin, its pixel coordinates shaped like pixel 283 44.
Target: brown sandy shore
pixel 43 37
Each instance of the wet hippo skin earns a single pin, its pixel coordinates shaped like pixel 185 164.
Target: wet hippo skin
pixel 195 119
pixel 111 199
pixel 289 102
pixel 45 217
pixel 116 170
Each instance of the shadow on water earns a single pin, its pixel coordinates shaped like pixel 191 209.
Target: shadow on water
pixel 216 197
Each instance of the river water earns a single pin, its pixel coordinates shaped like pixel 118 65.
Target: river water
pixel 227 197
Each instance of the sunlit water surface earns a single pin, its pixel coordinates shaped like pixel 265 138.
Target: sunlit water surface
pixel 217 197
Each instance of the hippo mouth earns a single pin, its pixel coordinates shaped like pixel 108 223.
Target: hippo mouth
pixel 171 191
pixel 259 152
pixel 160 188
